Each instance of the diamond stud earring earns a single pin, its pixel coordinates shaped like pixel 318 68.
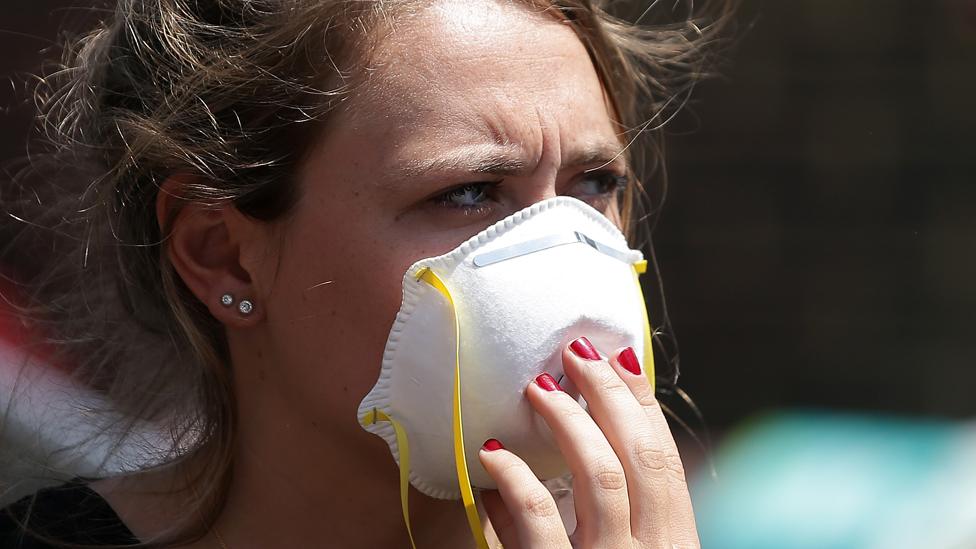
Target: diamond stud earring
pixel 227 300
pixel 245 307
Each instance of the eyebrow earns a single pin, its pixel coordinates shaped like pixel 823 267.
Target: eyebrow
pixel 493 160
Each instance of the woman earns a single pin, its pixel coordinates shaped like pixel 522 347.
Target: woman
pixel 271 169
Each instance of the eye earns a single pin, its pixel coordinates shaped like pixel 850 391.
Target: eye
pixel 598 183
pixel 468 197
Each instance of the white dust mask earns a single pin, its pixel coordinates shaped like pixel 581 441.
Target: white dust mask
pixel 479 323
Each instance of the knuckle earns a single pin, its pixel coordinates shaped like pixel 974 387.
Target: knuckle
pixel 607 379
pixel 652 458
pixel 608 384
pixel 608 475
pixel 650 403
pixel 539 504
pixel 611 480
pixel 618 393
pixel 597 374
pixel 649 456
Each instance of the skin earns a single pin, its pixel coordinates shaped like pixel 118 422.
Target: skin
pixel 463 80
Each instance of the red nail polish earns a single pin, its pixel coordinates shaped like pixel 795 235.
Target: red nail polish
pixel 584 349
pixel 547 382
pixel 491 445
pixel 628 359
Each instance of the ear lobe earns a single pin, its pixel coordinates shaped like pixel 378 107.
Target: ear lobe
pixel 205 252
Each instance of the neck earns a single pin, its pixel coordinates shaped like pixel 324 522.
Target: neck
pixel 303 474
pixel 344 493
pixel 295 486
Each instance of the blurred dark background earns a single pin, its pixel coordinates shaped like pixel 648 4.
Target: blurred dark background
pixel 818 246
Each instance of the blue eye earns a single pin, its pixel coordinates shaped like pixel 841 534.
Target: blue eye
pixel 477 198
pixel 601 183
pixel 469 196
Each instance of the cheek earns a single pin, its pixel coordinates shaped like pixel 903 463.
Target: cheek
pixel 336 296
pixel 339 309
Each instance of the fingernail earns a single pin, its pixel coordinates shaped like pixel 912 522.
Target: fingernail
pixel 547 382
pixel 584 349
pixel 628 359
pixel 491 445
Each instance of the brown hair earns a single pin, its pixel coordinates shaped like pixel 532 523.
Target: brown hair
pixel 231 93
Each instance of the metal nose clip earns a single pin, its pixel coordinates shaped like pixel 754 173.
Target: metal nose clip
pixel 585 239
pixel 544 243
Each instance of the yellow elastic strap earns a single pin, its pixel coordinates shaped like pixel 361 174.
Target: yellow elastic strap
pixel 640 268
pixel 372 417
pixel 464 481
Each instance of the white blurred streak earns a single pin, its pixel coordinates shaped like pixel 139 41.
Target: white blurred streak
pixel 52 429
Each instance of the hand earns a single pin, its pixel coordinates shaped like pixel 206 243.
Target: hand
pixel 629 485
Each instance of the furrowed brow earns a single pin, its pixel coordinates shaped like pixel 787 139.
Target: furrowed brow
pixel 601 154
pixel 494 161
pixel 475 160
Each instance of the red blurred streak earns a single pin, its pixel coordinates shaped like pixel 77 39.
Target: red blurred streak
pixel 16 336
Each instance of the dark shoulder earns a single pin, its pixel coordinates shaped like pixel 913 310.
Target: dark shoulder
pixel 71 513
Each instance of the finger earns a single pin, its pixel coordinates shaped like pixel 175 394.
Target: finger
pixel 635 439
pixel 533 511
pixel 682 531
pixel 599 481
pixel 675 512
pixel 501 520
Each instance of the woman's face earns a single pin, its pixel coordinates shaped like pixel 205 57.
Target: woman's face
pixel 473 110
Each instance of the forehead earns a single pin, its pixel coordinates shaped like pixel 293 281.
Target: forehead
pixel 470 69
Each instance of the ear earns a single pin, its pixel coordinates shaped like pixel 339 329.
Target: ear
pixel 203 243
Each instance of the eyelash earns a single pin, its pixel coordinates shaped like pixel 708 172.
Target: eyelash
pixel 615 180
pixel 443 200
